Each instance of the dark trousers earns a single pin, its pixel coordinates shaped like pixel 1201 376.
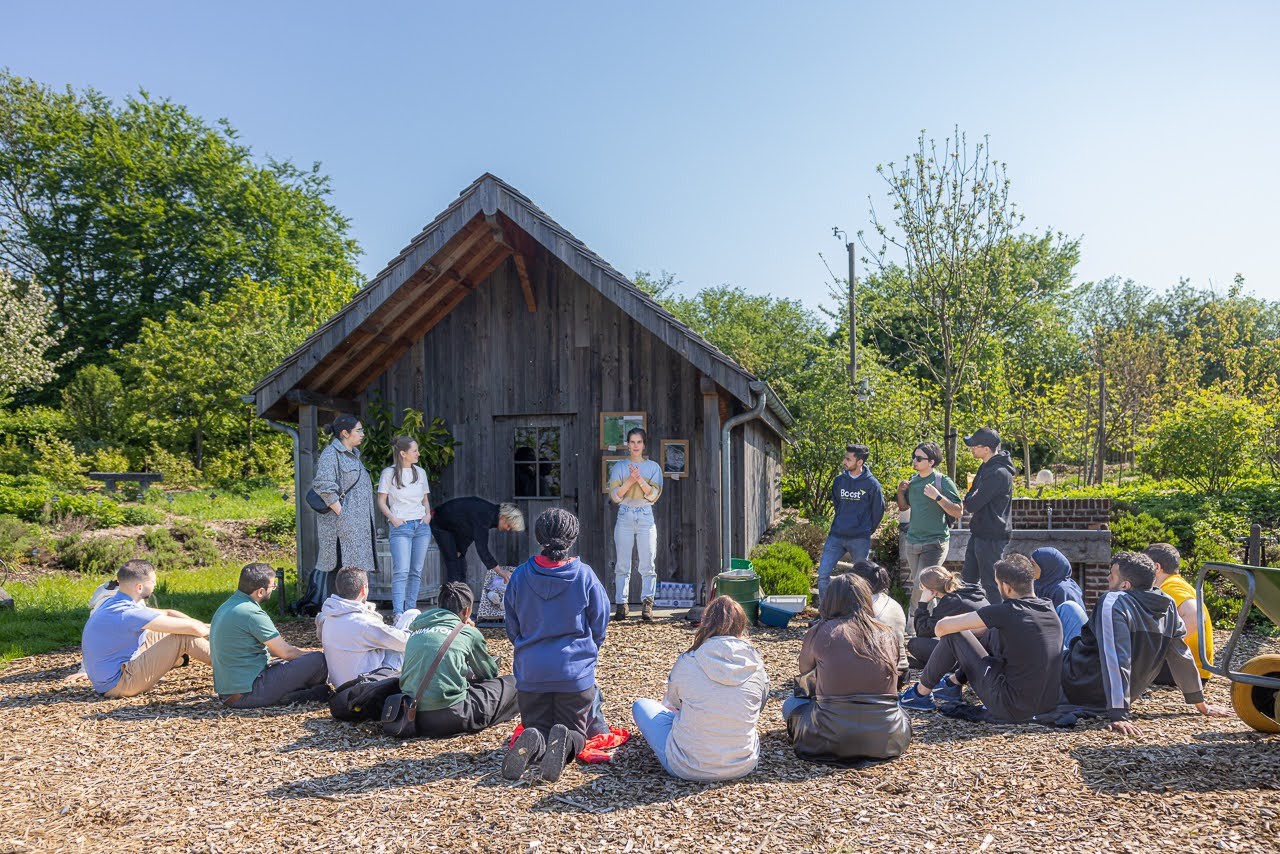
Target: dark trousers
pixel 487 702
pixel 284 682
pixel 573 709
pixel 963 650
pixel 453 551
pixel 980 565
pixel 919 650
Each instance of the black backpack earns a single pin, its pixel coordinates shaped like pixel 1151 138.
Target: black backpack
pixel 361 699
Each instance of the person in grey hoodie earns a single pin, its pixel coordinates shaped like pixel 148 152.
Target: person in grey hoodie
pixel 990 501
pixel 354 637
pixel 705 727
pixel 858 503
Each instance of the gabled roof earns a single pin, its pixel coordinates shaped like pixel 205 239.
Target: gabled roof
pixel 488 223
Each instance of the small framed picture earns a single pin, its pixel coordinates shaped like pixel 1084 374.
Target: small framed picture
pixel 614 427
pixel 606 465
pixel 675 458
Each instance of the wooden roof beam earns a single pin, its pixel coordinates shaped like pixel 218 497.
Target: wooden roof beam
pixel 465 245
pixel 525 285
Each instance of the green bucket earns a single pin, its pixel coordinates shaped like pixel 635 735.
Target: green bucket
pixel 741 585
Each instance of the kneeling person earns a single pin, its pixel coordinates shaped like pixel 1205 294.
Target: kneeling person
pixel 1016 673
pixel 128 647
pixel 466 694
pixel 354 638
pixel 240 637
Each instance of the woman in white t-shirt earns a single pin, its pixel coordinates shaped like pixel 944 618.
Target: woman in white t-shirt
pixel 403 497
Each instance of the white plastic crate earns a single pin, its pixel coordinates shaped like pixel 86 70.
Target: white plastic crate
pixel 794 604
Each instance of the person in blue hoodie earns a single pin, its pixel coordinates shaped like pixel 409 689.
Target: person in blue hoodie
pixel 1054 582
pixel 557 613
pixel 859 507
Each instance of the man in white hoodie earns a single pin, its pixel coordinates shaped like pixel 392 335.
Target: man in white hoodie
pixel 354 637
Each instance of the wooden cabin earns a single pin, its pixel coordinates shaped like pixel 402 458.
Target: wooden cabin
pixel 529 345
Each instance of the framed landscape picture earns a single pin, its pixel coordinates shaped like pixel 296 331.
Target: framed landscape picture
pixel 675 457
pixel 606 463
pixel 614 427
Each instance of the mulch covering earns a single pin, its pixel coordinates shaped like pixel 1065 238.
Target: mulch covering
pixel 173 770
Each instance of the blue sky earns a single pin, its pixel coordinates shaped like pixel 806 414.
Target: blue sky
pixel 722 141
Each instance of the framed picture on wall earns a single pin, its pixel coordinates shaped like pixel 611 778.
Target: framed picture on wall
pixel 614 427
pixel 606 464
pixel 675 458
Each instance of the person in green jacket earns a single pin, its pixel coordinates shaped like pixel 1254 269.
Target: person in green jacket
pixel 466 694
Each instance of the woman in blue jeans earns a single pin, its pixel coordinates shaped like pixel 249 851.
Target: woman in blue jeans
pixel 705 727
pixel 634 485
pixel 403 497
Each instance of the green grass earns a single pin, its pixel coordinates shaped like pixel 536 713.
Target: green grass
pixel 209 504
pixel 50 613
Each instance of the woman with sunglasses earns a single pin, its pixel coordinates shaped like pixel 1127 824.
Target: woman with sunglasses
pixel 933 500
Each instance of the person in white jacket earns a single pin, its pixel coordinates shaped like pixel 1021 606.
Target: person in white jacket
pixel 354 637
pixel 705 727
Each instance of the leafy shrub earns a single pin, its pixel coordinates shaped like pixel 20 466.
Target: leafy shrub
pixel 95 555
pixel 807 536
pixel 188 529
pixel 109 459
pixel 30 422
pixel 104 512
pixel 1130 532
pixel 787 553
pixel 278 529
pixel 783 568
pixel 14 458
pixel 91 403
pixel 18 538
pixel 26 503
pixel 140 515
pixel 57 460
pixel 1221 433
pixel 177 471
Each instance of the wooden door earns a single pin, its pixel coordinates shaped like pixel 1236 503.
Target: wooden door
pixel 533 469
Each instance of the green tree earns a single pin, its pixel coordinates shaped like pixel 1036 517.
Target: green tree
pixel 187 372
pixel 25 338
pixel 92 401
pixel 1209 440
pixel 123 213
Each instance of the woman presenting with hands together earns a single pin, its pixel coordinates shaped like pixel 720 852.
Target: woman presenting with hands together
pixel 634 485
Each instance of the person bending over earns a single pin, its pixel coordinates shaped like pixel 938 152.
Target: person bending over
pixel 942 595
pixel 1132 631
pixel 458 523
pixel 845 709
pixel 354 637
pixel 242 640
pixel 705 727
pixel 557 613
pixel 1016 674
pixel 128 647
pixel 466 694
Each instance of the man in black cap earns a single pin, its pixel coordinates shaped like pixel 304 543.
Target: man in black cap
pixel 990 501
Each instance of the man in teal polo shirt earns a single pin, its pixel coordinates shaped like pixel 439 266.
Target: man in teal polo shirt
pixel 242 640
pixel 933 500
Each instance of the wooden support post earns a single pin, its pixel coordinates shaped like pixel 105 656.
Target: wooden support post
pixel 525 285
pixel 308 428
pixel 709 471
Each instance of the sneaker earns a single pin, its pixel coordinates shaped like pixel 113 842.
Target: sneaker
pixel 526 747
pixel 553 758
pixel 947 691
pixel 620 612
pixel 646 611
pixel 913 699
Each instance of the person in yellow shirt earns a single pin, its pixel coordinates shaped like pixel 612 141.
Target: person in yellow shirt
pixel 1168 562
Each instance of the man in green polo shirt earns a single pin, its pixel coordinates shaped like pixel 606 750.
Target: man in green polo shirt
pixel 242 640
pixel 933 500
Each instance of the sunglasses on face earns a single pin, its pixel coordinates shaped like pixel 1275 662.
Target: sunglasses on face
pixel 919 459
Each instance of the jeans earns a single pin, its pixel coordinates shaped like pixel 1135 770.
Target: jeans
pixel 792 703
pixel 980 565
pixel 409 544
pixel 834 549
pixel 283 682
pixel 654 721
pixel 920 555
pixel 634 527
pixel 1073 618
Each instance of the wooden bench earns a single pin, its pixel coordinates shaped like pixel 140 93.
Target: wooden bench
pixel 144 479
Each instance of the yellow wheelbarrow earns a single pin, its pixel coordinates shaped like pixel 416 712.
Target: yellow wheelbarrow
pixel 1255 688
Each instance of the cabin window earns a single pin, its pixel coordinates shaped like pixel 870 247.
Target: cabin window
pixel 536 462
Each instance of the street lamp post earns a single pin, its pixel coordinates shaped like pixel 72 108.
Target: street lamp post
pixel 853 312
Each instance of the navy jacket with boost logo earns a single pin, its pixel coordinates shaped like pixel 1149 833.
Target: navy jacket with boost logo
pixel 859 504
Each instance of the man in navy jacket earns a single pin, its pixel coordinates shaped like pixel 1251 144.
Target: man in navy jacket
pixel 859 507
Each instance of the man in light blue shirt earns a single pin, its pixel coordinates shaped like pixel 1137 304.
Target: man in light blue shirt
pixel 128 647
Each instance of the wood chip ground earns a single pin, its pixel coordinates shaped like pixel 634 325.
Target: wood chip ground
pixel 175 771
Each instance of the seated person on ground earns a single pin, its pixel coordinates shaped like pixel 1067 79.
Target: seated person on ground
pixel 1132 631
pixel 128 647
pixel 849 675
pixel 1015 669
pixel 557 613
pixel 1054 582
pixel 354 638
pixel 705 727
pixel 466 693
pixel 1168 564
pixel 887 609
pixel 942 594
pixel 240 637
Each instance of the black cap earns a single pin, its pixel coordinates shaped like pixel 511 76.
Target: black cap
pixel 983 436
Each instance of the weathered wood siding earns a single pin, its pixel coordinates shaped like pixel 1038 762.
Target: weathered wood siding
pixel 490 361
pixel 757 484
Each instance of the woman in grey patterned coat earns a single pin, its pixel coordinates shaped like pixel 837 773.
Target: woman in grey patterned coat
pixel 345 535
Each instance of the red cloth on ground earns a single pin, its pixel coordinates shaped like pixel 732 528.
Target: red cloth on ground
pixel 596 749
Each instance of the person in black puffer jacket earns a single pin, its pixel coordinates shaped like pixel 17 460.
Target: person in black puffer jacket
pixel 950 596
